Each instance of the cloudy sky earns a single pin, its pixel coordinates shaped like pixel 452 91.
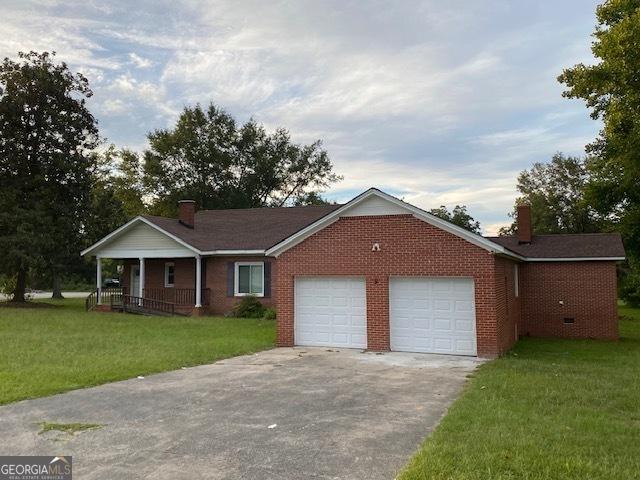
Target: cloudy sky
pixel 436 102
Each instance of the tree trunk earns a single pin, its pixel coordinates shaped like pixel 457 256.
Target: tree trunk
pixel 21 286
pixel 57 293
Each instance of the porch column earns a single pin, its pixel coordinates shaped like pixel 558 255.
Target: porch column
pixel 198 281
pixel 141 283
pixel 99 279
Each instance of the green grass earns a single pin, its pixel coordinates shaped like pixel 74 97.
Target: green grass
pixel 50 350
pixel 551 409
pixel 70 428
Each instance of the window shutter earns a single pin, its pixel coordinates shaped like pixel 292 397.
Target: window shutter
pixel 267 279
pixel 231 267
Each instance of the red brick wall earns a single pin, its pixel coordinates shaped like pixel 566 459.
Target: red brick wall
pixel 217 282
pixel 408 247
pixel 588 290
pixel 185 272
pixel 214 278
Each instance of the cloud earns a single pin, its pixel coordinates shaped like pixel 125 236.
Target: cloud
pixel 139 61
pixel 438 102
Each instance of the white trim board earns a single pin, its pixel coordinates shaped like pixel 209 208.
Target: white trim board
pixel 577 259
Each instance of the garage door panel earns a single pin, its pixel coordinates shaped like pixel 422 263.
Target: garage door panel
pixel 442 305
pixel 465 345
pixel 463 288
pixel 464 325
pixel 358 302
pixel 443 345
pixel 442 324
pixel 340 320
pixel 463 306
pixel 330 311
pixel 432 315
pixel 359 321
pixel 339 301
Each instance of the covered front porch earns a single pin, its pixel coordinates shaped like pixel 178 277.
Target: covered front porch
pixel 154 285
pixel 162 274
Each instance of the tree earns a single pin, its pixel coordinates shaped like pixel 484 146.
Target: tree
pixel 457 216
pixel 312 198
pixel 556 193
pixel 208 158
pixel 46 167
pixel 611 89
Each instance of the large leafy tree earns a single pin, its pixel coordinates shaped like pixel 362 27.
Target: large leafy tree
pixel 458 216
pixel 211 159
pixel 611 89
pixel 556 193
pixel 46 167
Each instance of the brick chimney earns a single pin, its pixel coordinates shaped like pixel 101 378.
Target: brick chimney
pixel 187 213
pixel 524 229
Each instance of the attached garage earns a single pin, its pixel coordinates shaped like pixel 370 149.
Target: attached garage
pixel 331 312
pixel 422 284
pixel 432 315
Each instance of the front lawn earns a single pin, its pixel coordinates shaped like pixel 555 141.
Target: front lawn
pixel 49 350
pixel 552 409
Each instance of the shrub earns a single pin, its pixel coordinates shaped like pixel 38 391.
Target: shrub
pixel 269 314
pixel 248 307
pixel 7 286
pixel 630 288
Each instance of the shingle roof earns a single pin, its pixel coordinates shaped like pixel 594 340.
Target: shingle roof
pixel 242 229
pixel 584 245
pixel 262 228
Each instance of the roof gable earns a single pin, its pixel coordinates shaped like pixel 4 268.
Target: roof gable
pixel 140 238
pixel 376 202
pixel 374 205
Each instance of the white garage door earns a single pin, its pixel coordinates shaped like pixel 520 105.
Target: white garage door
pixel 331 311
pixel 432 315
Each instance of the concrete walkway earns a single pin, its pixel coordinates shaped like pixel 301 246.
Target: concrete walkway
pixel 287 413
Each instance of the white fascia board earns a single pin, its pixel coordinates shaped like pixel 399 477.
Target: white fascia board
pixel 126 226
pixel 154 253
pixel 577 259
pixel 323 222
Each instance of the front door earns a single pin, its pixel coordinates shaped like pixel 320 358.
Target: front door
pixel 135 281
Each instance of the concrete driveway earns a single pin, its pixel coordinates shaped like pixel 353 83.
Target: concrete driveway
pixel 287 413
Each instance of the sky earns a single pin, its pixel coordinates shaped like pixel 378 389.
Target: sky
pixel 438 103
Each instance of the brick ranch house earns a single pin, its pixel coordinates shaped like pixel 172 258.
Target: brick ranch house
pixel 374 273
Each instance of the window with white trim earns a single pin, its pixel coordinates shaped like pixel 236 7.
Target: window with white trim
pixel 516 286
pixel 169 274
pixel 249 279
